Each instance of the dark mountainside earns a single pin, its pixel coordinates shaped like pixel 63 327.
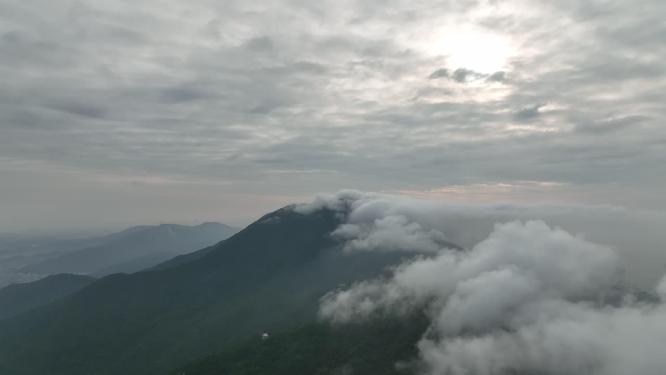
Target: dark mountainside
pixel 18 298
pixel 268 277
pixel 371 348
pixel 182 259
pixel 134 249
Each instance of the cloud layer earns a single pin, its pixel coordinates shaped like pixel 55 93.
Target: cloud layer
pixel 373 221
pixel 529 298
pixel 278 100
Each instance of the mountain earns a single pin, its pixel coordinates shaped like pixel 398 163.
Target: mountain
pixel 268 277
pixel 182 259
pixel 371 348
pixel 17 251
pixel 18 298
pixel 133 249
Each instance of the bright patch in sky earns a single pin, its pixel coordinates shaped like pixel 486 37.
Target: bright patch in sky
pixel 473 48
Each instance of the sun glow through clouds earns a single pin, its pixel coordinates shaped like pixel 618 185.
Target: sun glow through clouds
pixel 472 48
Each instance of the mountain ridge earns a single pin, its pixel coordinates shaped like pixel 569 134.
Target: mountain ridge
pixel 133 249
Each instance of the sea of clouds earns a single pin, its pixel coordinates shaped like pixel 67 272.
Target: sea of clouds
pixel 536 289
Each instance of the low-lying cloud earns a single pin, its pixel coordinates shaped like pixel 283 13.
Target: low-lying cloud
pixel 391 233
pixel 370 218
pixel 527 298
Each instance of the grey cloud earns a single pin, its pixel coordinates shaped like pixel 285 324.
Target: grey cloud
pixel 342 86
pixel 610 125
pixel 265 107
pixel 183 93
pixel 499 76
pixel 11 37
pixel 439 73
pixel 260 44
pixel 80 109
pixel 528 113
pixel 462 75
pixel 310 67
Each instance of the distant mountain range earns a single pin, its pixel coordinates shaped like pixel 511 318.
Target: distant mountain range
pixel 17 251
pixel 268 277
pixel 132 250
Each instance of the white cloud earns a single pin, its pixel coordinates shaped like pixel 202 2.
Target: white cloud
pixel 528 298
pixel 390 233
pixel 517 263
pixel 373 220
pixel 565 338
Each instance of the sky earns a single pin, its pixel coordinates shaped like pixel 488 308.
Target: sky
pixel 115 113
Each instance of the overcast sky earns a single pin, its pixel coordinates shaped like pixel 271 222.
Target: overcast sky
pixel 118 112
